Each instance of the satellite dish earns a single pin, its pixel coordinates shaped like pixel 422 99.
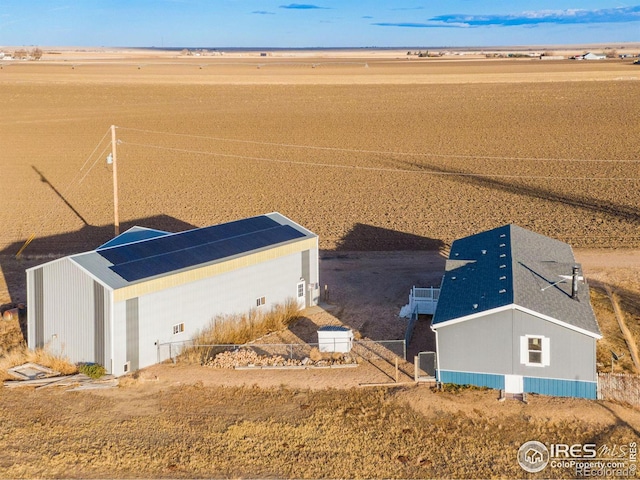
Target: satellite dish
pixel 615 356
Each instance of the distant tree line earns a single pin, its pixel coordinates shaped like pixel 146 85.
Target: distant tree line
pixel 23 54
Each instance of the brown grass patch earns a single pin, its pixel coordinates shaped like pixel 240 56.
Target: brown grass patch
pixel 194 431
pixel 41 356
pixel 239 329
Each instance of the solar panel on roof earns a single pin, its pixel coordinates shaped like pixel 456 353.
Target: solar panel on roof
pixel 196 255
pixel 180 241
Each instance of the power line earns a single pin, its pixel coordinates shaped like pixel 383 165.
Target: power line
pixel 381 152
pixel 374 169
pixel 71 185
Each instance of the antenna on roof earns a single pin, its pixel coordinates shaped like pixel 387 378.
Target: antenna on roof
pixel 574 277
pixel 553 284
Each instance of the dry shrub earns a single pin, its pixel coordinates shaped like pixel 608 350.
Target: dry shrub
pixel 239 329
pixel 41 356
pixel 315 354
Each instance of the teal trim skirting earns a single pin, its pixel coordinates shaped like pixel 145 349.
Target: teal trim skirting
pixel 561 388
pixel 543 386
pixel 466 378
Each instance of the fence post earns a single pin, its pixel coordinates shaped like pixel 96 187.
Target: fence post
pixel 396 369
pixel 415 368
pixel 290 351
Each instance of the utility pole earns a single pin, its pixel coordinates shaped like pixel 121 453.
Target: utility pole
pixel 116 221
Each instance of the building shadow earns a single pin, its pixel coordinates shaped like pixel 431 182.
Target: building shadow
pixel 47 248
pixel 611 209
pixel 371 238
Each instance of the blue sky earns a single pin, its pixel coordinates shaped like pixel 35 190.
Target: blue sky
pixel 321 23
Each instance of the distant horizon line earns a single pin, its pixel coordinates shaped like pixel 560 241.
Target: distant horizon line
pixel 405 47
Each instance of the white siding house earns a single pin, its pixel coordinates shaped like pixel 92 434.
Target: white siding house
pixel 515 314
pixel 116 304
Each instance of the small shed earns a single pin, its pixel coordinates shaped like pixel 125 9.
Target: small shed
pixel 116 305
pixel 335 338
pixel 514 313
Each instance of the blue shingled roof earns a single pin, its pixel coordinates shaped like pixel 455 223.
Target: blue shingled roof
pixel 511 265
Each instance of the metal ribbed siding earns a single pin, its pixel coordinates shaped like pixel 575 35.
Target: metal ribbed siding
pixel 133 334
pixel 560 388
pixel 39 308
pixel 305 268
pixel 196 304
pixel 468 378
pixel 99 332
pixel 62 310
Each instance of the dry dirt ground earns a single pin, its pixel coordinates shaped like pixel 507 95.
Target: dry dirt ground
pixel 388 160
pixel 389 154
pixel 190 421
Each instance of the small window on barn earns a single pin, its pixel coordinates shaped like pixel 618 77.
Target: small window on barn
pixel 301 290
pixel 179 328
pixel 535 351
pixel 260 301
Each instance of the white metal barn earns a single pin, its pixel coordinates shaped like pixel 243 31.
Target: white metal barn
pixel 116 304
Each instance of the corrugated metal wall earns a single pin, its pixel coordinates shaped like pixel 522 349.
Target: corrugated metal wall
pixel 197 303
pixel 99 319
pixel 76 316
pixel 38 299
pixel 133 334
pixel 68 312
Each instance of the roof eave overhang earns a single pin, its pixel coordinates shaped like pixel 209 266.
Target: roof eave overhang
pixel 514 306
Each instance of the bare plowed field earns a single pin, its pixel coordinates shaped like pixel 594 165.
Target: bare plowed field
pixel 369 155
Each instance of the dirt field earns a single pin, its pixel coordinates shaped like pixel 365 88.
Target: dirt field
pixel 388 160
pixel 394 155
pixel 189 421
pixel 192 421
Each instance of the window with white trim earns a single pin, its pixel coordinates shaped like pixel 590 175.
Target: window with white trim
pixel 535 351
pixel 260 301
pixel 301 290
pixel 179 328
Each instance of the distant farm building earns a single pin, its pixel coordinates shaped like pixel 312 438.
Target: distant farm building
pixel 514 314
pixel 594 56
pixel 115 305
pixel 589 56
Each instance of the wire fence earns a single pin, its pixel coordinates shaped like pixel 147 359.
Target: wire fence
pixel 619 387
pixel 281 354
